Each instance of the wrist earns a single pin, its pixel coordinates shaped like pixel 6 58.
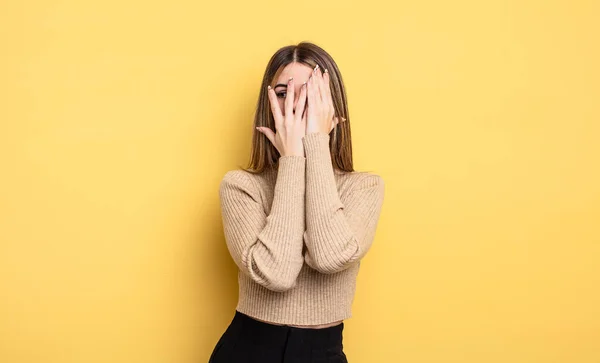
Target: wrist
pixel 308 132
pixel 292 154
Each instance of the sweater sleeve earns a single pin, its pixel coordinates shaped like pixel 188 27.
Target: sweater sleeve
pixel 339 229
pixel 267 248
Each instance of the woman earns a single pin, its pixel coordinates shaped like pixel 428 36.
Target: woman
pixel 299 219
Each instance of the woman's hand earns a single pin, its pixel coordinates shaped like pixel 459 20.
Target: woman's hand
pixel 320 104
pixel 290 128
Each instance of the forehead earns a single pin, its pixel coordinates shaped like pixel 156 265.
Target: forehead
pixel 297 70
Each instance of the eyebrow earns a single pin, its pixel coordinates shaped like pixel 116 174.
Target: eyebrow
pixel 280 84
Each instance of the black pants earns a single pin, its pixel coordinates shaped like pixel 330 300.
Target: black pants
pixel 248 340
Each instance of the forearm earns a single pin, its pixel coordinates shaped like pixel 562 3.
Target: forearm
pixel 328 236
pixel 267 248
pixel 340 228
pixel 278 255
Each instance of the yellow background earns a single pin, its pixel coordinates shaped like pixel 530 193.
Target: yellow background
pixel 118 120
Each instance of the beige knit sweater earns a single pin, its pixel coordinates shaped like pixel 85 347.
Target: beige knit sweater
pixel 297 234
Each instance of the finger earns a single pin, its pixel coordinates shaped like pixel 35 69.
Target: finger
pixel 299 96
pixel 326 81
pixel 301 103
pixel 326 104
pixel 310 93
pixel 268 133
pixel 321 84
pixel 305 115
pixel 315 79
pixel 277 116
pixel 289 100
pixel 327 91
pixel 333 124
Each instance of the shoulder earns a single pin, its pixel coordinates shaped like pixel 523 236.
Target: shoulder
pixel 364 179
pixel 235 175
pixel 238 180
pixel 361 184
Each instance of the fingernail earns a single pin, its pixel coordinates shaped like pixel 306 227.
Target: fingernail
pixel 326 70
pixel 269 86
pixel 290 80
pixel 343 119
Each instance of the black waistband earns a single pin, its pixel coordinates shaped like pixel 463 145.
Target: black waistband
pixel 329 336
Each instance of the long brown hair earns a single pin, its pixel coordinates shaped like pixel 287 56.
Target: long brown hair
pixel 263 154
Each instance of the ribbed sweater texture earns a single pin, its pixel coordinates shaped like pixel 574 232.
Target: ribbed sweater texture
pixel 297 233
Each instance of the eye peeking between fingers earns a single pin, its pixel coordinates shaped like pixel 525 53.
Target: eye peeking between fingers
pixel 281 94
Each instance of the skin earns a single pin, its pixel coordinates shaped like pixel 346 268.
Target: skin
pixel 299 110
